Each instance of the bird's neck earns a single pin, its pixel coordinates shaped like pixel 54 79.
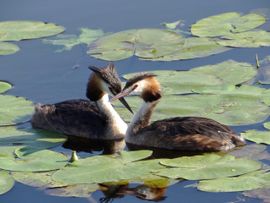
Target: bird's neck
pixel 142 118
pixel 117 127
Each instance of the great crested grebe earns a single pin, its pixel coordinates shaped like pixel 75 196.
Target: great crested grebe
pixel 94 119
pixel 178 133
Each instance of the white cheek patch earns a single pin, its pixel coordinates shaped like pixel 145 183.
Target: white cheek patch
pixel 140 86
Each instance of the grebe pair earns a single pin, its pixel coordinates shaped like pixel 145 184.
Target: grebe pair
pixel 99 120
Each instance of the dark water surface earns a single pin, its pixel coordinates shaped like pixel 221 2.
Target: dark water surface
pixel 41 75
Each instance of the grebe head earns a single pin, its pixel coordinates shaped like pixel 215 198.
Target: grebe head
pixel 145 84
pixel 102 81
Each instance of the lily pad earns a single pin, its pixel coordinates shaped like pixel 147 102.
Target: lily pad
pixel 14 110
pixel 189 48
pixel 36 179
pixel 6 182
pixel 267 125
pixel 260 137
pixel 232 108
pixel 69 41
pixel 172 25
pixel 8 48
pixel 256 38
pixel 29 140
pixel 79 190
pixel 226 23
pixel 4 86
pixel 263 76
pixel 20 30
pixel 208 166
pixel 44 160
pixel 250 181
pixel 118 169
pixel 230 72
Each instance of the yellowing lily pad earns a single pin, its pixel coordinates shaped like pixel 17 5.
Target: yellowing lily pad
pixel 8 48
pixel 19 30
pixel 250 181
pixel 260 137
pixel 208 166
pixel 69 41
pixel 226 23
pixel 4 86
pixel 6 182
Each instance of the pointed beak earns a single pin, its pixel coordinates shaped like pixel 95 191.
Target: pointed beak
pixel 121 96
pixel 124 102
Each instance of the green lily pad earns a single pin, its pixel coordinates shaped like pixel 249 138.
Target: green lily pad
pixel 120 168
pixel 172 25
pixel 250 181
pixel 36 179
pixel 189 48
pixel 20 30
pixel 211 77
pixel 44 160
pixel 14 110
pixel 79 190
pixel 152 44
pixel 256 38
pixel 4 86
pixel 7 151
pixel 8 48
pixel 208 166
pixel 261 137
pixel 230 72
pixel 29 140
pixel 263 76
pixel 233 108
pixel 6 182
pixel 226 23
pixel 267 125
pixel 69 41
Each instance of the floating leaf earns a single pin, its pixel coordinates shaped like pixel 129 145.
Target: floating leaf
pixel 4 86
pixel 14 110
pixel 189 48
pixel 44 160
pixel 261 137
pixel 250 181
pixel 30 140
pixel 173 25
pixel 19 30
pixel 208 166
pixel 131 156
pixel 119 168
pixel 226 23
pixel 267 125
pixel 69 41
pixel 8 48
pixel 36 179
pixel 235 107
pixel 6 182
pixel 230 72
pixel 263 76
pixel 80 190
pixel 255 38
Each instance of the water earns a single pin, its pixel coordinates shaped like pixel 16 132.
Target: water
pixel 42 75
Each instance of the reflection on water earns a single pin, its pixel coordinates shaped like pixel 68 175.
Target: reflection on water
pixel 90 145
pixel 141 191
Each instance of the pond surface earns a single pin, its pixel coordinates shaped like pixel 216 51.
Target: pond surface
pixel 41 75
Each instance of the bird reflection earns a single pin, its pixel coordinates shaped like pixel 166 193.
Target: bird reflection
pixel 91 145
pixel 143 191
